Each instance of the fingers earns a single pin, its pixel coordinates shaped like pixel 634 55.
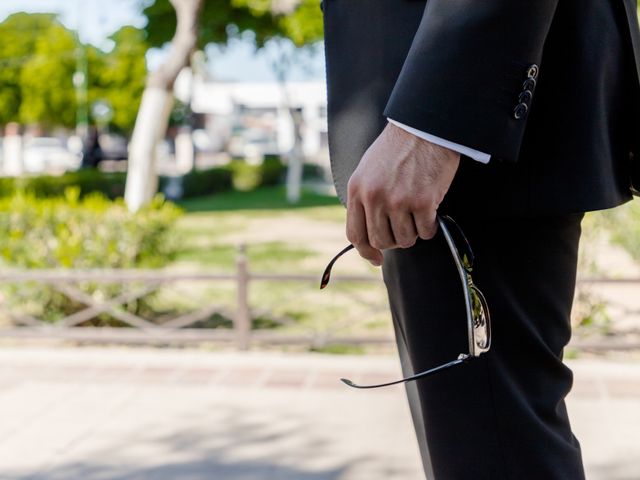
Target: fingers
pixel 425 222
pixel 404 229
pixel 357 233
pixel 378 227
pixel 372 229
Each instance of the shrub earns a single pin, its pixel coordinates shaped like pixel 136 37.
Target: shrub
pixel 88 181
pixel 81 233
pixel 238 174
pixel 313 171
pixel 89 232
pixel 196 183
pixel 247 177
pixel 624 223
pixel 203 182
pixel 273 171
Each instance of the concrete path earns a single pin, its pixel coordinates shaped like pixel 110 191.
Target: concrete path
pixel 93 414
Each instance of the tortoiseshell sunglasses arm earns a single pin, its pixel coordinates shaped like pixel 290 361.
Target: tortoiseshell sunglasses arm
pixel 327 271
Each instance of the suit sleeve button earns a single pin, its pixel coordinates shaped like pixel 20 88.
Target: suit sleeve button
pixel 529 84
pixel 520 111
pixel 525 97
pixel 532 71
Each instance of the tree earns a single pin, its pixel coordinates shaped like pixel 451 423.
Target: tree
pixel 16 46
pixel 197 24
pixel 46 79
pixel 38 58
pixel 156 105
pixel 121 79
pixel 26 50
pixel 301 24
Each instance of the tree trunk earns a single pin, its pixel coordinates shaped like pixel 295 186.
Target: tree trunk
pixel 157 102
pixel 295 156
pixel 295 159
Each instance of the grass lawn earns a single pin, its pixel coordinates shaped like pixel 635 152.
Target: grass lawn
pixel 265 198
pixel 277 234
pixel 281 238
pixel 302 238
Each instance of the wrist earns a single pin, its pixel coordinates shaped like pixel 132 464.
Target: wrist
pixel 427 148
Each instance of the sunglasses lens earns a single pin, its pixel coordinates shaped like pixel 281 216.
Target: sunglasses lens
pixel 481 321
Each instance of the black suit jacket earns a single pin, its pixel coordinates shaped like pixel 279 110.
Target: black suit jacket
pixel 549 88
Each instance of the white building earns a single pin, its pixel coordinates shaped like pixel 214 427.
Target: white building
pixel 246 118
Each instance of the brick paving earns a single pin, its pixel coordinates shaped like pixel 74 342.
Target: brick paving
pixel 118 413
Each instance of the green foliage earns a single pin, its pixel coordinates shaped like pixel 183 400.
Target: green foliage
pixel 198 184
pixel 204 182
pixel 269 198
pixel 247 176
pixel 273 171
pixel 180 113
pixel 120 80
pixel 221 20
pixel 89 232
pixel 339 349
pixel 624 223
pixel 38 58
pixel 238 174
pixel 46 79
pixel 590 314
pixel 215 20
pixel 80 233
pixel 21 45
pixel 313 171
pixel 87 181
pixel 304 25
pixel 111 185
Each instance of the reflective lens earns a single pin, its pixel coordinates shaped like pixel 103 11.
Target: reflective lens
pixel 461 243
pixel 481 320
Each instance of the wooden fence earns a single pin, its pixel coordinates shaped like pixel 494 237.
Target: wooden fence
pixel 176 330
pixel 180 328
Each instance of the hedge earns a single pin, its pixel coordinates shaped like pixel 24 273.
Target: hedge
pixel 80 233
pixel 237 174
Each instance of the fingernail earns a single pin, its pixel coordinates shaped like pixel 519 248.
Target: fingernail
pixel 376 263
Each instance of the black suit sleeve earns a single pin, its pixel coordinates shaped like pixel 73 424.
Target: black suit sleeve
pixel 471 72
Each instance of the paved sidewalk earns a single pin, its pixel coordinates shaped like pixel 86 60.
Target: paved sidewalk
pixel 94 414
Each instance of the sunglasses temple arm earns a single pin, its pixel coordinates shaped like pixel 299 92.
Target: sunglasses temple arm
pixel 327 271
pixel 463 357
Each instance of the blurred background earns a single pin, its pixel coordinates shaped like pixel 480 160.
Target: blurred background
pixel 166 212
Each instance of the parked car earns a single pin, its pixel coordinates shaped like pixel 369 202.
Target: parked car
pixel 46 154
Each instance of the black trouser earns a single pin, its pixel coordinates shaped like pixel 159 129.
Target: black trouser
pixel 502 415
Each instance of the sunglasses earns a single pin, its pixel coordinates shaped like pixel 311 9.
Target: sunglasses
pixel 478 320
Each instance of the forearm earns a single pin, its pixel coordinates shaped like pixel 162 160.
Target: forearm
pixel 461 149
pixel 464 76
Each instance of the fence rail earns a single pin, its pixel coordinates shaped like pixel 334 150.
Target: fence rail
pixel 180 328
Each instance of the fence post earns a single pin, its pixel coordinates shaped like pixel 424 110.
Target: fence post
pixel 243 316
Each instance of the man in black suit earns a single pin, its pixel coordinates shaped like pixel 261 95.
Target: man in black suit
pixel 514 117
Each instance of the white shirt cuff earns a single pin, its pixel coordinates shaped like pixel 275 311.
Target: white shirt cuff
pixel 461 149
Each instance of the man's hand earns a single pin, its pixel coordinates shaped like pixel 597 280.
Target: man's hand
pixel 394 193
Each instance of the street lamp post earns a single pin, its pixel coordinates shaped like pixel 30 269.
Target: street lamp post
pixel 80 79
